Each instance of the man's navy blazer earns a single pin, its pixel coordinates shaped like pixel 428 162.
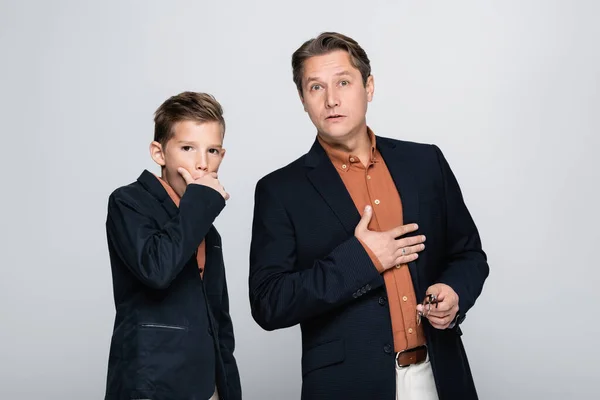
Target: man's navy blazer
pixel 173 336
pixel 308 268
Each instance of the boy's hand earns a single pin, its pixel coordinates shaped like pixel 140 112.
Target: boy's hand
pixel 206 179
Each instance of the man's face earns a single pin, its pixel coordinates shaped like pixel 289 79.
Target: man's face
pixel 334 95
pixel 197 147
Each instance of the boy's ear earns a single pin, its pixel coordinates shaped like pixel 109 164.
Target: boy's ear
pixel 157 153
pixel 223 153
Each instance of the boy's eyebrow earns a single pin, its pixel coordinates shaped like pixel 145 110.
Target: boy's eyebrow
pixel 185 142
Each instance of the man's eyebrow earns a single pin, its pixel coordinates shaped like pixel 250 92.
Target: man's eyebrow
pixel 342 73
pixel 314 78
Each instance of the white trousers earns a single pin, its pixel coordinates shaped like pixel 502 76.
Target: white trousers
pixel 415 382
pixel 215 395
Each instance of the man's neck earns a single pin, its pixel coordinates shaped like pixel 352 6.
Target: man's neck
pixel 357 144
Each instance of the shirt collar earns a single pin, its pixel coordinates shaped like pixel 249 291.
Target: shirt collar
pixel 342 159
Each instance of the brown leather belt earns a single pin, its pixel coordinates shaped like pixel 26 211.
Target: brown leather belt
pixel 411 356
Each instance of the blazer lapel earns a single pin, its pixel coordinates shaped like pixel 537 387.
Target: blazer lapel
pixel 327 182
pixel 154 187
pixel 398 160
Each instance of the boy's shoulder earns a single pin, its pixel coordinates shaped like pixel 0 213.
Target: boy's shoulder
pixel 134 193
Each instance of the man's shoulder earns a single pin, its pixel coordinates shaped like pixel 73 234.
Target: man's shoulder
pixel 405 144
pixel 287 173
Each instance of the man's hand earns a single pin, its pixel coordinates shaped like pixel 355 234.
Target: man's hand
pixel 389 250
pixel 442 314
pixel 203 178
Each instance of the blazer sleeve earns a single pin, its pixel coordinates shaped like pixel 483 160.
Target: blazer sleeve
pixel 227 345
pixel 282 296
pixel 466 266
pixel 157 254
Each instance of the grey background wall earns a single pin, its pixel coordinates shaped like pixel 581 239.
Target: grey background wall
pixel 510 90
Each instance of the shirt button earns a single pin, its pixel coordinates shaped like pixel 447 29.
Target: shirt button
pixel 351 159
pixel 368 176
pixel 381 301
pixel 376 201
pixel 344 166
pixel 404 298
pixel 410 330
pixel 387 349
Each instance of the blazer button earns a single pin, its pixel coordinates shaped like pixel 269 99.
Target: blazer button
pixel 387 348
pixel 381 301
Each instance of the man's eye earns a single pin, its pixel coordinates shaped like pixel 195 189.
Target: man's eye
pixel 344 83
pixel 187 148
pixel 315 87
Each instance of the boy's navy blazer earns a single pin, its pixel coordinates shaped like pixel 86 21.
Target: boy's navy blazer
pixel 173 336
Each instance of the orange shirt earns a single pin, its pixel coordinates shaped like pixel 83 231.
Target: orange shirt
pixel 374 185
pixel 201 254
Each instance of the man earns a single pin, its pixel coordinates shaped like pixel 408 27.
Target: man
pixel 352 237
pixel 173 337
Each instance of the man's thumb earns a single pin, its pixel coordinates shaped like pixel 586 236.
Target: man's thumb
pixel 363 224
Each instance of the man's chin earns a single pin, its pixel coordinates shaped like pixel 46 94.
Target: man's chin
pixel 336 133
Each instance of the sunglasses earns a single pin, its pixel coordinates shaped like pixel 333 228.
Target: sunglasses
pixel 427 302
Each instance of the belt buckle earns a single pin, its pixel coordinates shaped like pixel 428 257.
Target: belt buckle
pixel 408 351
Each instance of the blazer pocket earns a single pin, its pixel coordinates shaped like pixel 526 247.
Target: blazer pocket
pixel 323 355
pixel 160 348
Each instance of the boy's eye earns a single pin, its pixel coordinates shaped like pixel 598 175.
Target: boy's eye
pixel 186 148
pixel 213 151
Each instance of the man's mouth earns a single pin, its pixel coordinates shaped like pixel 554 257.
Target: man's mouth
pixel 335 116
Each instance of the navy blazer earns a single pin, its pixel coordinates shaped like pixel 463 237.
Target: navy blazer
pixel 308 268
pixel 173 336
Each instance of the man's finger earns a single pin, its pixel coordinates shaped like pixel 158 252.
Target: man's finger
pixel 409 250
pixel 439 323
pixel 410 241
pixel 187 177
pixel 406 259
pixel 442 306
pixel 438 314
pixel 403 230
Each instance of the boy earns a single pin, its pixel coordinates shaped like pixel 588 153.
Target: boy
pixel 173 337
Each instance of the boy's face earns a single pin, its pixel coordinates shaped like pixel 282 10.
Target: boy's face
pixel 195 146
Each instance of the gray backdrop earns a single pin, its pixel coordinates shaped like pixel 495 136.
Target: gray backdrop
pixel 508 89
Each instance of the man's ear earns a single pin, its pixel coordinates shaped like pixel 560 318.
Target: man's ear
pixel 370 87
pixel 157 153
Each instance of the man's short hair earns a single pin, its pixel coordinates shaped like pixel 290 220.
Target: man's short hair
pixel 186 106
pixel 326 43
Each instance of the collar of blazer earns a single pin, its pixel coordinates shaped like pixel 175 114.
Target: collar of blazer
pixel 156 189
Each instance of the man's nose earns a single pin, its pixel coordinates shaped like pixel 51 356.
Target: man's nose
pixel 332 99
